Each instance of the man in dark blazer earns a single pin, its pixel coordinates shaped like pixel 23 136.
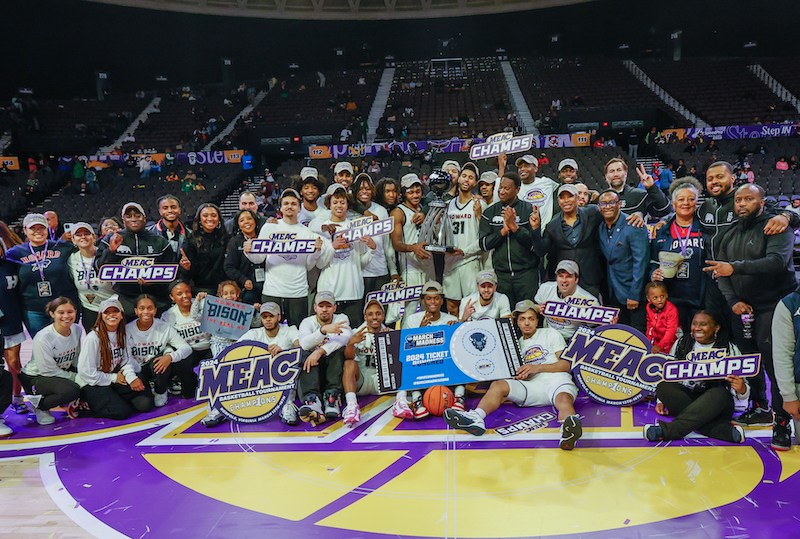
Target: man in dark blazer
pixel 572 235
pixel 626 249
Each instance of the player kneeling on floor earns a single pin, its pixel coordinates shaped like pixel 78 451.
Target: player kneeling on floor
pixel 543 379
pixel 360 375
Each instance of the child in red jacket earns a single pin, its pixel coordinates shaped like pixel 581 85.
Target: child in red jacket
pixel 662 318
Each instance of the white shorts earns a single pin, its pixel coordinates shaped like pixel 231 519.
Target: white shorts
pixel 14 340
pixel 542 390
pixel 368 381
pixel 460 282
pixel 413 278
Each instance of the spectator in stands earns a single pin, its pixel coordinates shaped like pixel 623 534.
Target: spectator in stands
pixel 543 159
pixel 599 142
pixel 203 255
pixel 666 177
pixel 92 185
pixel 136 241
pixel 345 134
pixel 782 164
pixel 170 225
pixel 626 250
pixel 55 230
pixel 712 146
pixel 793 163
pixel 144 167
pixel 584 194
pixel 567 171
pixel 173 176
pixel 681 170
pixel 374 168
pixel 633 144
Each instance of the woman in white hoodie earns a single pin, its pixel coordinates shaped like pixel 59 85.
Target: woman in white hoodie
pixel 52 371
pixel 113 390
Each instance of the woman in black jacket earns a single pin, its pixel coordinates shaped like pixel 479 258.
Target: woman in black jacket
pixel 203 255
pixel 238 267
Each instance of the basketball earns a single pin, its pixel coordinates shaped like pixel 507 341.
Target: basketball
pixel 437 398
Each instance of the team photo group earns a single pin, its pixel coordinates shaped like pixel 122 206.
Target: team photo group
pixel 117 311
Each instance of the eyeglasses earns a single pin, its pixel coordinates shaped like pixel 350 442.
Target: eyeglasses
pixel 607 204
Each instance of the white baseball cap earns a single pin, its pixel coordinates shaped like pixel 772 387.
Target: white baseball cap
pixel 531 160
pixel 134 205
pixel 309 172
pixel 569 162
pixel 409 179
pixel 34 219
pixel 343 165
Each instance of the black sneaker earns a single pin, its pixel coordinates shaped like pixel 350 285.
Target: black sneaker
pixel 311 410
pixel 175 387
pixel 571 431
pixel 653 433
pixel 755 417
pixel 781 435
pixel 332 409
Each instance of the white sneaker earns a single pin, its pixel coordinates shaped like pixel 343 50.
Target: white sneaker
pixel 160 399
pixel 43 417
pixel 351 415
pixel 289 414
pixel 401 409
pixel 213 418
pixel 5 430
pixel 469 421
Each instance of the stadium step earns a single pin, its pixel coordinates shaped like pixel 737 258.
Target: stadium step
pixel 379 105
pixel 662 94
pixel 521 109
pixel 776 87
pixel 151 108
pixel 242 113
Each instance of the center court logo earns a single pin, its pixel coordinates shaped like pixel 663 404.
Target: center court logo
pixel 613 364
pixel 246 383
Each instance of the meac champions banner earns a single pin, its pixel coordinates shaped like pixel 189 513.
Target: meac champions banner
pixel 246 383
pixel 417 358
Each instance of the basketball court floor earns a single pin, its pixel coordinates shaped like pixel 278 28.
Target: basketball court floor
pixel 162 474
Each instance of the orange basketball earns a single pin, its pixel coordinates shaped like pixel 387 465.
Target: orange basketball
pixel 437 398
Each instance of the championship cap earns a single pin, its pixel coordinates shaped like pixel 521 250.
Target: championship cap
pixel 323 296
pixel 135 205
pixel 488 177
pixel 451 163
pixel 410 179
pixel 471 166
pixel 113 301
pixel 569 266
pixel 487 276
pixel 333 189
pixel 524 305
pixel 531 160
pixel 373 302
pixel 270 307
pixel 79 225
pixel 568 162
pixel 568 188
pixel 34 219
pixel 432 285
pixel 291 192
pixel 343 165
pixel 309 172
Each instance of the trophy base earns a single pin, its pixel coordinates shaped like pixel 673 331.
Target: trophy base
pixel 439 249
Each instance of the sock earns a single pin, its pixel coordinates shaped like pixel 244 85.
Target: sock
pixel 292 396
pixel 402 395
pixel 480 412
pixel 350 397
pixel 459 392
pixel 416 395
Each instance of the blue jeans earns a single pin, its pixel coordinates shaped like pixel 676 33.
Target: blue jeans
pixel 35 321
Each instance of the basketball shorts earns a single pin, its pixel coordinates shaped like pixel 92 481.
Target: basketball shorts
pixel 368 381
pixel 460 282
pixel 542 390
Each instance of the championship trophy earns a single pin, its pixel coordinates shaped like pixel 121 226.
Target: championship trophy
pixel 437 230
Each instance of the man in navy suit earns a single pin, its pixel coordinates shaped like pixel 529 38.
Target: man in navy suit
pixel 626 250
